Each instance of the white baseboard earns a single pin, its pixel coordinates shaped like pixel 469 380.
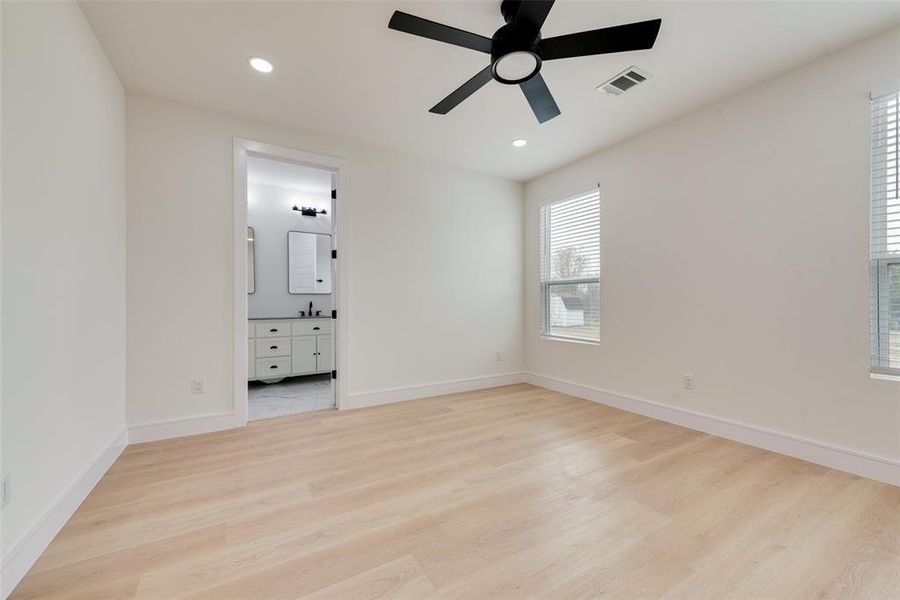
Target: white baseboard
pixel 879 468
pixel 172 428
pixel 30 546
pixel 365 399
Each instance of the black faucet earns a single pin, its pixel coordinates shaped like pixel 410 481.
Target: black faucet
pixel 310 308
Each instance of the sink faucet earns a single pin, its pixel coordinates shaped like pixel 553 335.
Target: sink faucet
pixel 310 313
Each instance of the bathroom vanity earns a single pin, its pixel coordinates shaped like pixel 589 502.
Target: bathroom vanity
pixel 279 348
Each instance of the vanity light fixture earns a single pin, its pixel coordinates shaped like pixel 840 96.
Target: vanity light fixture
pixel 260 64
pixel 309 212
pixel 519 142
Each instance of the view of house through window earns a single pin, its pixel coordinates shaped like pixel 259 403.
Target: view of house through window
pixel 885 236
pixel 570 268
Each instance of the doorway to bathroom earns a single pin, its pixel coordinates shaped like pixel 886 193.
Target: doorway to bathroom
pixel 290 286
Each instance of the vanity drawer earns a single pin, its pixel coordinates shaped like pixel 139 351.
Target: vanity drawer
pixel 273 347
pixel 273 328
pixel 273 367
pixel 311 326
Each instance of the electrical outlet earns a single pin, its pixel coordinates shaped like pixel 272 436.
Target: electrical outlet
pixel 6 493
pixel 198 385
pixel 499 356
pixel 687 381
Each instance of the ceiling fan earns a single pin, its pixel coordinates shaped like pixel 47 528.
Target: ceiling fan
pixel 517 50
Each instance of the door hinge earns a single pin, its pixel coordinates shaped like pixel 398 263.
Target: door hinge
pixel 334 194
pixel 334 374
pixel 334 254
pixel 334 314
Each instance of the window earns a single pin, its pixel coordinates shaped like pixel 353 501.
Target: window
pixel 570 268
pixel 885 237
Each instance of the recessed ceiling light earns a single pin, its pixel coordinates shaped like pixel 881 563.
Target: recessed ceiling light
pixel 519 142
pixel 260 64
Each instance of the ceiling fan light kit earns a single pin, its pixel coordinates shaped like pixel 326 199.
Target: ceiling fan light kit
pixel 516 67
pixel 518 52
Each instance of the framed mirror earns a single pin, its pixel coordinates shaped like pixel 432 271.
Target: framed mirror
pixel 251 271
pixel 309 263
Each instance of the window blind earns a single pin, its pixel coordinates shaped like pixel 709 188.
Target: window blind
pixel 885 236
pixel 570 267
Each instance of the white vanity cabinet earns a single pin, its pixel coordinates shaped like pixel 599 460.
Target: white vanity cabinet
pixel 310 354
pixel 283 347
pixel 303 354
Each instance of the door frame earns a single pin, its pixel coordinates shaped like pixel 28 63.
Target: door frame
pixel 340 282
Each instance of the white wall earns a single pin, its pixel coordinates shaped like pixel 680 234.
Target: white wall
pixel 435 272
pixel 735 247
pixel 63 248
pixel 269 213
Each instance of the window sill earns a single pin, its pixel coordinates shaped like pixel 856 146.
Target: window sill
pixel 884 376
pixel 559 338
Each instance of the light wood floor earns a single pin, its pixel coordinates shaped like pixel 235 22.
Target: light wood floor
pixel 515 492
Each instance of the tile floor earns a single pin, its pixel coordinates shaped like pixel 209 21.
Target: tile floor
pixel 288 396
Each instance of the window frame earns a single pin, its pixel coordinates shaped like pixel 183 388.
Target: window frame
pixel 545 285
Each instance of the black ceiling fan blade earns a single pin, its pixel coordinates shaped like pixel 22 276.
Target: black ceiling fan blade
pixel 539 97
pixel 463 92
pixel 534 12
pixel 407 23
pixel 620 38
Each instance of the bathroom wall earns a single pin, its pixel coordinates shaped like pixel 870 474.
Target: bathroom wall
pixel 269 213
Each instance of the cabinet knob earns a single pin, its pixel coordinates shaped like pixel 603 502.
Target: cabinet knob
pixel 315 328
pixel 273 366
pixel 273 347
pixel 273 330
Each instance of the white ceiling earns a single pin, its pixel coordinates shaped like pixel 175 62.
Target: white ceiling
pixel 288 175
pixel 340 70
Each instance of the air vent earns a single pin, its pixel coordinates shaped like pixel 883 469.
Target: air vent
pixel 624 81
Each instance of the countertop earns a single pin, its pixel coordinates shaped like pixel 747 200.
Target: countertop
pixel 298 318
